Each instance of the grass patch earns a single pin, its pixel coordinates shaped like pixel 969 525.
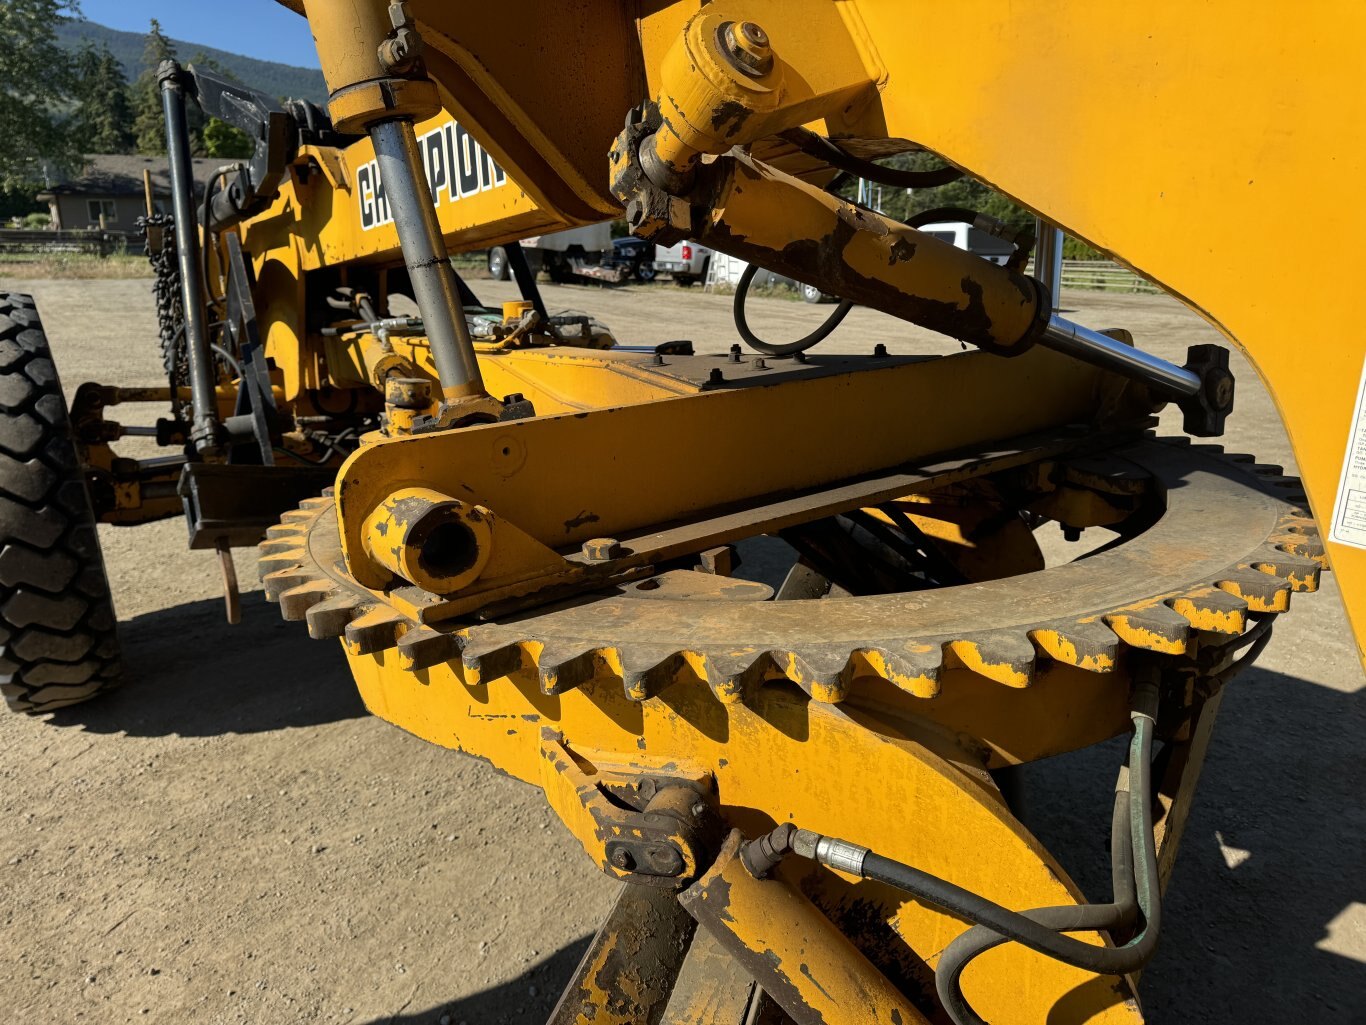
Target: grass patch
pixel 74 266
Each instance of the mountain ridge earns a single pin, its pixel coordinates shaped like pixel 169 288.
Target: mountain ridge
pixel 269 77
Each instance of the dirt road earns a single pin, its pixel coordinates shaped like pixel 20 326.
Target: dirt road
pixel 231 839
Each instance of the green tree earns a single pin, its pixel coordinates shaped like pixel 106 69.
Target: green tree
pixel 223 140
pixel 103 122
pixel 217 138
pixel 35 87
pixel 149 125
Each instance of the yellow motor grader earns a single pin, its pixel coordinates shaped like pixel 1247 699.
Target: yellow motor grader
pixel 525 537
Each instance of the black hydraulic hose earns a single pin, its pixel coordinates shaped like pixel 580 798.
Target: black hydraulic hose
pixel 791 348
pixel 1067 918
pixel 1015 926
pixel 821 148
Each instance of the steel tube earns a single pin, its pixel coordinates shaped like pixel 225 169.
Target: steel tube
pixel 203 400
pixel 1048 260
pixel 1102 351
pixel 424 252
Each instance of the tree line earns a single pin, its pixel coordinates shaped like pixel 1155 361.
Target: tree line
pixel 60 107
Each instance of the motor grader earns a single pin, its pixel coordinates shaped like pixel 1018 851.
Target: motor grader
pixel 525 539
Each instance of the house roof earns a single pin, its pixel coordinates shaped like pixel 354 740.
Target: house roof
pixel 109 174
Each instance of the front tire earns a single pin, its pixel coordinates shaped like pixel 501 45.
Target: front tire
pixel 58 640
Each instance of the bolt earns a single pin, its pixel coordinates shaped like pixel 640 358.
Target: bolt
pixel 753 34
pixel 800 357
pixel 1071 533
pixel 746 48
pixel 621 858
pixel 699 809
pixel 879 350
pixel 735 353
pixel 514 397
pixel 664 859
pixel 761 364
pixel 657 359
pixel 716 377
pixel 602 549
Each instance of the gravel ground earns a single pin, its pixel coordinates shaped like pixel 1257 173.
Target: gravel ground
pixel 232 839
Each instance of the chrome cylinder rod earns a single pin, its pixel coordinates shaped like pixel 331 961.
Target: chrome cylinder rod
pixel 1102 351
pixel 428 261
pixel 1048 259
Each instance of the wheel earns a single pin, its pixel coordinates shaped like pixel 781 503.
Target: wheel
pixel 58 643
pixel 559 270
pixel 812 294
pixel 498 264
pixel 645 272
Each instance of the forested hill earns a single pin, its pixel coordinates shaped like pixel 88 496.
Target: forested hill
pixel 280 80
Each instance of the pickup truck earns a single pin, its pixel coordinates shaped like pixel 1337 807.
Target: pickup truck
pixel 687 262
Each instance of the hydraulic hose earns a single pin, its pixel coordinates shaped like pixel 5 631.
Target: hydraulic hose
pixel 1067 918
pixel 1014 926
pixel 821 148
pixel 791 348
pixel 1134 869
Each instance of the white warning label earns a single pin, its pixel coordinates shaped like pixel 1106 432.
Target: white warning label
pixel 1349 511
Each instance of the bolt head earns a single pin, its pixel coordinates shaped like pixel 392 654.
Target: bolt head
pixel 753 34
pixel 602 549
pixel 621 858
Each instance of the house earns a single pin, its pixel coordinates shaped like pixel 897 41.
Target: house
pixel 109 192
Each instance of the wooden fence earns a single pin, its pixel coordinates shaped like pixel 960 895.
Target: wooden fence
pixel 1102 276
pixel 50 243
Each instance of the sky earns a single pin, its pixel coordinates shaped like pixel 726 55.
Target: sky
pixel 254 28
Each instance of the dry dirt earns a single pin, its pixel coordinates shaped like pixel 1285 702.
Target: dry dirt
pixel 232 839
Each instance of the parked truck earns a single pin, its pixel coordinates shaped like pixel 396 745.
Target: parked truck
pixel 564 255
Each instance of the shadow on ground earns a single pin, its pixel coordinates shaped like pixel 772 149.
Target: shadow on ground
pixel 191 674
pixel 1272 855
pixel 525 1000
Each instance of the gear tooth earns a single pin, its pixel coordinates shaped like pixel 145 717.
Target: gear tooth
pixel 277 545
pixel 563 667
pixel 1211 610
pixel 374 630
pixel 286 532
pixel 1087 644
pixel 300 518
pixel 999 655
pixel 1207 448
pixel 911 667
pixel 328 619
pixel 1179 440
pixel 1243 458
pixel 295 602
pixel 728 673
pixel 315 504
pixel 822 674
pixel 1268 470
pixel 278 581
pixel 1262 591
pixel 290 558
pixel 487 659
pixel 424 647
pixel 1151 626
pixel 1301 573
pixel 1305 546
pixel 644 671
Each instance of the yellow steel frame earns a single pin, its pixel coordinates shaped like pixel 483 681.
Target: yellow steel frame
pixel 1174 138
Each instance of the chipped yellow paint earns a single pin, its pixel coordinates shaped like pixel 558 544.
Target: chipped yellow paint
pixel 1056 646
pixel 970 654
pixel 1203 616
pixel 1136 635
